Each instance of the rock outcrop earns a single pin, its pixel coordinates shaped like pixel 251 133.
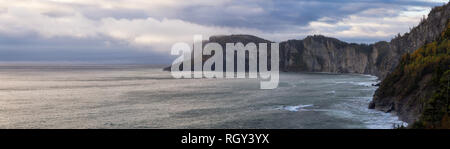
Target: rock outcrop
pixel 417 89
pixel 400 92
pixel 222 40
pixel 324 54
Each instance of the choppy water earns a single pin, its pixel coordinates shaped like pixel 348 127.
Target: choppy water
pixel 143 97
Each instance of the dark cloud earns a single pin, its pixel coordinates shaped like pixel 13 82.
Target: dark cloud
pixel 277 15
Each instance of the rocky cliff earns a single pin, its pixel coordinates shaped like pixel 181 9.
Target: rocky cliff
pixel 222 40
pixel 417 89
pixel 324 54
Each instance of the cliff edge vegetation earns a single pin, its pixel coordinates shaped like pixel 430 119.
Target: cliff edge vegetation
pixel 418 88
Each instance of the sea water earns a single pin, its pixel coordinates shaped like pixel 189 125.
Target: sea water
pixel 142 96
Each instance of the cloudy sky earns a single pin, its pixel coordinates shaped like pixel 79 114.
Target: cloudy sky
pixel 144 30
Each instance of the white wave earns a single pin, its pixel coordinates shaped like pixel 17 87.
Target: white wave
pixel 295 108
pixel 383 121
pixel 356 108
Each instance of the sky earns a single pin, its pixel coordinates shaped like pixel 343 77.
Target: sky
pixel 143 31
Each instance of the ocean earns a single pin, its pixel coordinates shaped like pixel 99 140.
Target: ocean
pixel 142 96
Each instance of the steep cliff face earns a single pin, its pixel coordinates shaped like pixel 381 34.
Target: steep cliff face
pixel 244 39
pixel 413 90
pixel 417 90
pixel 222 40
pixel 324 54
